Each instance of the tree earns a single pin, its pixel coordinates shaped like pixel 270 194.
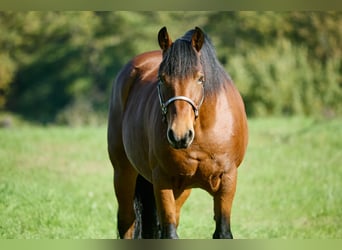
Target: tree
pixel 61 65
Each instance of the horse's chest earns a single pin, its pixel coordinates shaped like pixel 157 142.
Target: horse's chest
pixel 198 169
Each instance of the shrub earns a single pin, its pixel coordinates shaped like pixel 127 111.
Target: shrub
pixel 80 112
pixel 280 80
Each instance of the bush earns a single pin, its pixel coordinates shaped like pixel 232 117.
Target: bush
pixel 50 62
pixel 280 80
pixel 79 113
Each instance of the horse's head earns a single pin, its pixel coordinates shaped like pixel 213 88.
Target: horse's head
pixel 180 87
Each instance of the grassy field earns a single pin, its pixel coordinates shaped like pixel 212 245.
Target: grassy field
pixel 56 182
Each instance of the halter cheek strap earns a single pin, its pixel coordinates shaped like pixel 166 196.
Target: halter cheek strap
pixel 164 105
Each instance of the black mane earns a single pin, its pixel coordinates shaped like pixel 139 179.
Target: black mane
pixel 180 61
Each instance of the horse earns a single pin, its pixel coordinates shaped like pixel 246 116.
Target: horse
pixel 176 122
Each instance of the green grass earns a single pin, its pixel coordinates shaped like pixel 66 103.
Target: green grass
pixel 56 182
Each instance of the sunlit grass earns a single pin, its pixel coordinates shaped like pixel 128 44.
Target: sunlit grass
pixel 56 182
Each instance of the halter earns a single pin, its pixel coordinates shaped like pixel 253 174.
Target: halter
pixel 164 105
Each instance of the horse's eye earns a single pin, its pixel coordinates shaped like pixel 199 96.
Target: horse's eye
pixel 200 80
pixel 161 79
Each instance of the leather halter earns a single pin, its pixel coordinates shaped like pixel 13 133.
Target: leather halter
pixel 165 104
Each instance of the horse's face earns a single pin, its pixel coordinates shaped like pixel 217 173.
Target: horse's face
pixel 180 88
pixel 181 110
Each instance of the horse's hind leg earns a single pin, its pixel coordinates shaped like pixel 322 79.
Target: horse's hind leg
pixel 124 185
pixel 124 174
pixel 223 201
pixel 146 210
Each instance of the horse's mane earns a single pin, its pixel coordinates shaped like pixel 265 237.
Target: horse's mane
pixel 180 61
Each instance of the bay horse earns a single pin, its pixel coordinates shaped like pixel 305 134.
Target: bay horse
pixel 176 122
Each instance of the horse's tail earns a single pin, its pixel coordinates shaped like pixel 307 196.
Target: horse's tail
pixel 146 224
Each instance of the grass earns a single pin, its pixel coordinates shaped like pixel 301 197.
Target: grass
pixel 56 182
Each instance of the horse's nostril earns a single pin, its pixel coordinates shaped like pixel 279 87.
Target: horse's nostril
pixel 190 134
pixel 171 136
pixel 180 142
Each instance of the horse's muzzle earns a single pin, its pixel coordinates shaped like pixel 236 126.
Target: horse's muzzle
pixel 179 142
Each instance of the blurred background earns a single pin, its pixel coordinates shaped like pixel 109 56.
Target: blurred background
pixel 56 74
pixel 58 67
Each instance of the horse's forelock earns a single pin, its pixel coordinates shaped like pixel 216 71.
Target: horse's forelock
pixel 181 60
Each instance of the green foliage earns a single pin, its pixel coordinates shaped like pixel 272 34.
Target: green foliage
pixel 283 63
pixel 53 62
pixel 280 79
pixel 7 68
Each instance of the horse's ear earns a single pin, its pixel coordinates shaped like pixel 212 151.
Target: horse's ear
pixel 197 39
pixel 164 39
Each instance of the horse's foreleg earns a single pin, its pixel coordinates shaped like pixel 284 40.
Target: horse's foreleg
pixel 166 205
pixel 167 213
pixel 223 200
pixel 180 199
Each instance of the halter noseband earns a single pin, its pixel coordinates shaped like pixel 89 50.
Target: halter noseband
pixel 164 105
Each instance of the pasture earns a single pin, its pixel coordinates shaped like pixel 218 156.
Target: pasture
pixel 56 182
